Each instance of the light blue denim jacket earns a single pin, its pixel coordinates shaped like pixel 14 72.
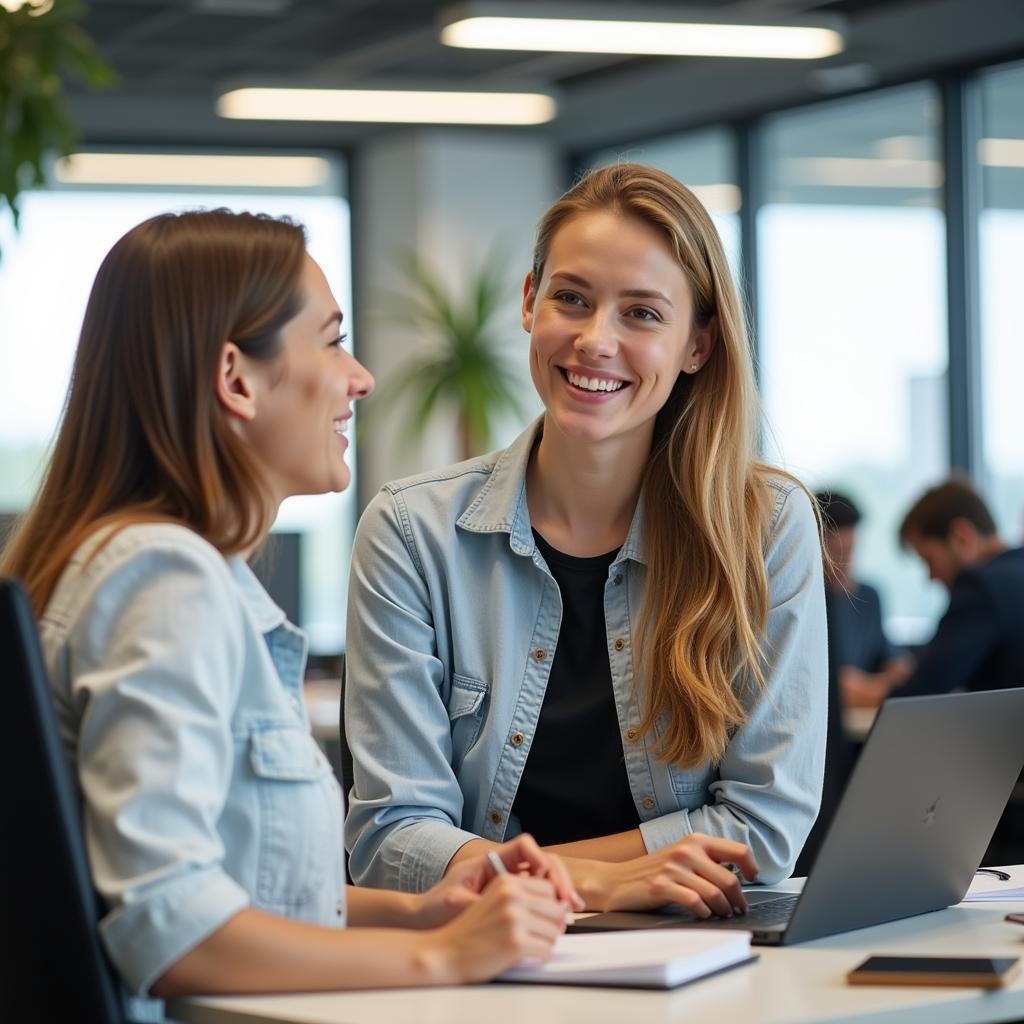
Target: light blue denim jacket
pixel 178 687
pixel 453 621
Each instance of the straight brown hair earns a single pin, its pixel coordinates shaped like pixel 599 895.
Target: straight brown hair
pixel 706 499
pixel 142 436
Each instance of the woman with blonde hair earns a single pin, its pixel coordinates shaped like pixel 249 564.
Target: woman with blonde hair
pixel 210 383
pixel 612 633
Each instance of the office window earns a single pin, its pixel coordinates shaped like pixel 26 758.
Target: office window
pixel 46 272
pixel 705 161
pixel 853 335
pixel 1001 242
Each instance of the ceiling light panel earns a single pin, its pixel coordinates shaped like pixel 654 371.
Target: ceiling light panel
pixel 405 106
pixel 1001 152
pixel 673 33
pixel 192 169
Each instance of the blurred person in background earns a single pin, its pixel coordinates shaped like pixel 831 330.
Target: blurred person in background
pixel 979 643
pixel 867 665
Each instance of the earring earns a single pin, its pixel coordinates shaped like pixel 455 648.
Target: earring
pixel 693 368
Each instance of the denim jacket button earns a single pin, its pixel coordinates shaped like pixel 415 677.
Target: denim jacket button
pixel 631 735
pixel 517 739
pixel 618 578
pixel 495 817
pixel 539 654
pixel 648 804
pixel 619 644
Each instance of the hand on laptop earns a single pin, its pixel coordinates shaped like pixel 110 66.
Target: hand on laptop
pixel 690 873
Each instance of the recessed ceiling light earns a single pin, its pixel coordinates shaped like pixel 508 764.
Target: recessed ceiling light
pixel 193 169
pixel 633 30
pixel 405 106
pixel 1001 152
pixel 863 172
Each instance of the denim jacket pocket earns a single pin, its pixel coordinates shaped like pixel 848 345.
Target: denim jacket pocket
pixel 466 710
pixel 690 784
pixel 296 794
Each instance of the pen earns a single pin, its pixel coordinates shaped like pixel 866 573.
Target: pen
pixel 496 863
pixel 1003 876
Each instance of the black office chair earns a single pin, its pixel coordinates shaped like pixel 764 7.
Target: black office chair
pixel 346 771
pixel 54 967
pixel 840 756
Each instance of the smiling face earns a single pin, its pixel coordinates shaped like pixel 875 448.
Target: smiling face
pixel 302 400
pixel 610 325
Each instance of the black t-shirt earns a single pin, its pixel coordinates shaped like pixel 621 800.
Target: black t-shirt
pixel 574 785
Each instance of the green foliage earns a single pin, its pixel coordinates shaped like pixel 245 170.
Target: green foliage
pixel 464 369
pixel 38 46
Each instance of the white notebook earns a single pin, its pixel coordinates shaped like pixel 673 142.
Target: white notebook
pixel 656 958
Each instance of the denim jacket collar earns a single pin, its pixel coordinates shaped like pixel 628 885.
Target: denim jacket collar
pixel 500 505
pixel 265 615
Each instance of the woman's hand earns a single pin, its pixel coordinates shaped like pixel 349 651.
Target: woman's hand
pixel 465 881
pixel 689 873
pixel 516 917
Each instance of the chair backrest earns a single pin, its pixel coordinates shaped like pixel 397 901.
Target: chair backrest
pixel 54 967
pixel 347 779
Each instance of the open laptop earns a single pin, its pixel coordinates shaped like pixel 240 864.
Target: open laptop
pixel 909 833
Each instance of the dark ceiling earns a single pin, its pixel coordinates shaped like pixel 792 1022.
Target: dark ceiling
pixel 174 57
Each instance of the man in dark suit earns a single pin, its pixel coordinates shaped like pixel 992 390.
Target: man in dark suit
pixel 979 643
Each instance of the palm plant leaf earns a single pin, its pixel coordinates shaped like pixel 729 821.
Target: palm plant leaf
pixel 467 370
pixel 422 411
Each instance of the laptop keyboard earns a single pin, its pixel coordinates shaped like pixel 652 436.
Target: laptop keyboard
pixel 768 912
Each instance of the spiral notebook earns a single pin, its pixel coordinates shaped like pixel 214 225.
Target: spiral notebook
pixel 637 959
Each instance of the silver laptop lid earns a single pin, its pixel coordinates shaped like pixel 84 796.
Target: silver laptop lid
pixel 919 811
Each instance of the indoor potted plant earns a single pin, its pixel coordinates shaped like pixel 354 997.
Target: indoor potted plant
pixel 459 363
pixel 40 43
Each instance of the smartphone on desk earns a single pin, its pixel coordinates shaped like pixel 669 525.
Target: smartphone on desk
pixel 969 971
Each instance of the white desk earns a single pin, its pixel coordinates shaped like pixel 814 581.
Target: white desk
pixel 792 985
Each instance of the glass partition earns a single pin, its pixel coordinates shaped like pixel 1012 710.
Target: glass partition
pixel 853 336
pixel 705 161
pixel 1001 243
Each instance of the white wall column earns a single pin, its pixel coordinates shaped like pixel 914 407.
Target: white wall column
pixel 451 197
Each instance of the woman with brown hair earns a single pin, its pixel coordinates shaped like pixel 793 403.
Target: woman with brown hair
pixel 210 383
pixel 612 633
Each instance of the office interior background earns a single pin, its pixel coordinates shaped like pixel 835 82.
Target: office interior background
pixel 871 203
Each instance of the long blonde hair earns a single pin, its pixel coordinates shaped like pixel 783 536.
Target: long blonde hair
pixel 706 499
pixel 142 436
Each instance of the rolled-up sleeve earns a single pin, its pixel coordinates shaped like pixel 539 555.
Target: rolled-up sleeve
pixel 155 669
pixel 405 811
pixel 768 788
